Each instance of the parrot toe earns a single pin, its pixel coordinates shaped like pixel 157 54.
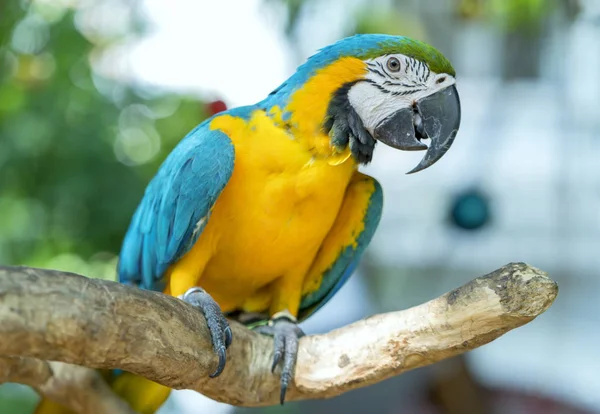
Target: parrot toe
pixel 218 326
pixel 286 335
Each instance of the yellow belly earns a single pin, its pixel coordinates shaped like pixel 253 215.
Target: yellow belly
pixel 270 220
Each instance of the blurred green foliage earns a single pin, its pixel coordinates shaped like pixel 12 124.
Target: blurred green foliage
pixel 17 398
pixel 401 17
pixel 526 16
pixel 392 22
pixel 77 146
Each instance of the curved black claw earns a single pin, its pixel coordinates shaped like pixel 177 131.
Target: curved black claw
pixel 285 333
pixel 218 326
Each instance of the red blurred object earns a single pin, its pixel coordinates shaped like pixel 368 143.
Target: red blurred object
pixel 215 107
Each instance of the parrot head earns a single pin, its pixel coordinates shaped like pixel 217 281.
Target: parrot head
pixel 407 95
pixel 390 89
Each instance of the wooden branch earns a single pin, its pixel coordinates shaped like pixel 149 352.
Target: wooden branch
pixel 58 316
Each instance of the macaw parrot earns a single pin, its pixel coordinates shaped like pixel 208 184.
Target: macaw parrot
pixel 260 213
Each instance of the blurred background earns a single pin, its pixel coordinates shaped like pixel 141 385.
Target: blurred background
pixel 94 94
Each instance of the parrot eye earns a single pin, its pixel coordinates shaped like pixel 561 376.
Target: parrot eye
pixel 393 64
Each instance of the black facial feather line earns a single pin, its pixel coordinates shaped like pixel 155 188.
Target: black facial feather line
pixel 345 127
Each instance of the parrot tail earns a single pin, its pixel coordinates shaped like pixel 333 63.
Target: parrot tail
pixel 144 396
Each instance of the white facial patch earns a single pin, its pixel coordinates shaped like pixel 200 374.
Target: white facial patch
pixel 383 91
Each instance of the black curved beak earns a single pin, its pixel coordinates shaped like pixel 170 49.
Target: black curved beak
pixel 436 117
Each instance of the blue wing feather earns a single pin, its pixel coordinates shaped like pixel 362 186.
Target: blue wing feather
pixel 341 270
pixel 167 221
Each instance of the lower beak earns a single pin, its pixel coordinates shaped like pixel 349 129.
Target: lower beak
pixel 436 117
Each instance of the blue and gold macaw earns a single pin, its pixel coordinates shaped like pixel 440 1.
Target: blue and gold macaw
pixel 260 213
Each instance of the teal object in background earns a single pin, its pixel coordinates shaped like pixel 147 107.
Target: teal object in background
pixel 470 210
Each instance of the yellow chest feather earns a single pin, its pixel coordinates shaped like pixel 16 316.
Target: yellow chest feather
pixel 274 213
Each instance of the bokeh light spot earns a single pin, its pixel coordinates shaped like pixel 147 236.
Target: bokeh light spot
pixel 135 146
pixel 30 35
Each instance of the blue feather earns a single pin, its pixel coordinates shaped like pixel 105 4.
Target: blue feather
pixel 165 224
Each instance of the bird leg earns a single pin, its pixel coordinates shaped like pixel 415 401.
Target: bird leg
pixel 218 326
pixel 284 329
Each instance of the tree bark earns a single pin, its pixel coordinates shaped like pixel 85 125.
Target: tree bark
pixel 48 315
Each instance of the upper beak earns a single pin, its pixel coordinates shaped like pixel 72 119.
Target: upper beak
pixel 436 117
